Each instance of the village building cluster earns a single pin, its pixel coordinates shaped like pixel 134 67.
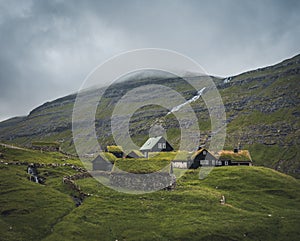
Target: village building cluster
pixel 202 157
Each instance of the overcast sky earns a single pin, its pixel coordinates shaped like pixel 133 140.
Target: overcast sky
pixel 47 48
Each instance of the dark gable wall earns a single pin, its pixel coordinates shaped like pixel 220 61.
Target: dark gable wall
pixel 100 164
pixel 201 156
pixel 162 141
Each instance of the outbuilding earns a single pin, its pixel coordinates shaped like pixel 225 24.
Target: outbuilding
pixel 117 151
pixel 103 162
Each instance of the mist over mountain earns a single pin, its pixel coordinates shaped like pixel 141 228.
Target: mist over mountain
pixel 262 110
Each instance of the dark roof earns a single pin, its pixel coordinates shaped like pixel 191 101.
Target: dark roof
pixel 150 143
pixel 135 153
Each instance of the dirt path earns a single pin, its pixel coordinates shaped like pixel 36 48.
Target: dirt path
pixel 12 147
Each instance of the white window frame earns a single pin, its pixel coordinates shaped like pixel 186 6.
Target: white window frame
pixel 204 162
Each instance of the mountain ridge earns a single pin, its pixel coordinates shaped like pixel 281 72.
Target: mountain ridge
pixel 262 108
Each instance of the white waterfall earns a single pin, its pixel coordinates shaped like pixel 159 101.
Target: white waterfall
pixel 196 97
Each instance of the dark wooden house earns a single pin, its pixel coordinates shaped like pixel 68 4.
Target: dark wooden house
pixel 155 144
pixel 203 157
pixel 235 158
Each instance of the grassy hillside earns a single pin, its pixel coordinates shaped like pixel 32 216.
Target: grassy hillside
pixel 261 204
pixel 262 109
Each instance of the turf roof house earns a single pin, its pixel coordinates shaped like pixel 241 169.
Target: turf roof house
pixel 156 144
pixel 235 158
pixel 117 151
pixel 202 157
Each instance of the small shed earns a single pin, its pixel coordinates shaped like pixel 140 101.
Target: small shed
pixel 103 162
pixel 156 144
pixel 235 158
pixel 117 151
pixel 135 154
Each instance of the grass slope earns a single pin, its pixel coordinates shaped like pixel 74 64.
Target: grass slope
pixel 29 210
pixel 268 211
pixel 261 204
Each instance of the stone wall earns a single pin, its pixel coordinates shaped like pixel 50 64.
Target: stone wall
pixel 143 182
pixel 46 148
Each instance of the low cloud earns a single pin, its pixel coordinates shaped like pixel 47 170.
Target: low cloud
pixel 49 47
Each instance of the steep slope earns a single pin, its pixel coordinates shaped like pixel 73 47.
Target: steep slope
pixel 262 108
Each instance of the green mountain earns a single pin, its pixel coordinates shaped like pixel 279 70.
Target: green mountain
pixel 262 109
pixel 261 204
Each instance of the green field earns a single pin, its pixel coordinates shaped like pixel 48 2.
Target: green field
pixel 261 204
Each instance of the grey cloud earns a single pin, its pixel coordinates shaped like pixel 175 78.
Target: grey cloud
pixel 48 47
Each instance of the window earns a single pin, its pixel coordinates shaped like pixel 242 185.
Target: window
pixel 159 146
pixel 204 162
pixel 226 163
pixel 164 145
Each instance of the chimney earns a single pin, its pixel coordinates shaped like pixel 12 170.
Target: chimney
pixel 235 150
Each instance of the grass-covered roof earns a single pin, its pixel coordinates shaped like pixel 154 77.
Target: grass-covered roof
pixel 171 155
pixel 107 156
pixel 114 149
pixel 141 165
pixel 199 152
pixel 241 155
